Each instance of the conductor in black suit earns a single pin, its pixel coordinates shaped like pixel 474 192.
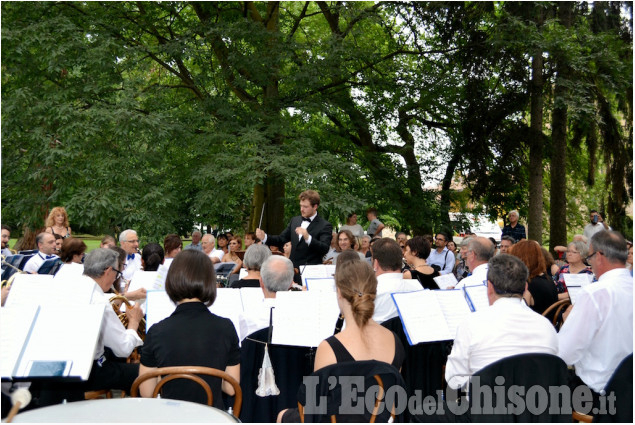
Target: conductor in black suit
pixel 309 233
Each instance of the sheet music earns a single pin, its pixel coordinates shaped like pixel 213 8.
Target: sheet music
pixel 30 289
pixel 422 316
pixel 574 291
pixel 478 295
pixel 578 279
pixel 16 327
pixel 317 270
pixel 143 279
pixel 228 304
pixel 304 318
pixel 251 298
pixel 454 307
pixel 324 284
pixel 158 307
pixel 64 334
pixel 446 280
pixel 411 285
pixel 162 273
pixel 68 272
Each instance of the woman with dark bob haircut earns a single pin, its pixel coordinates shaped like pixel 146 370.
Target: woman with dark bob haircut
pixel 415 254
pixel 192 335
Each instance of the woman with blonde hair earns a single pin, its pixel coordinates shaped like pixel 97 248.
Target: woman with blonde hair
pixel 57 222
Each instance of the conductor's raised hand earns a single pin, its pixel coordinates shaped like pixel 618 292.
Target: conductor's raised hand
pixel 260 234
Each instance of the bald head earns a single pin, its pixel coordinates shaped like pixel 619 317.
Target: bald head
pixel 480 251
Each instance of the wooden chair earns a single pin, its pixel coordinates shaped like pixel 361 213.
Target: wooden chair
pixel 190 372
pixel 582 418
pixel 557 308
pixel 94 395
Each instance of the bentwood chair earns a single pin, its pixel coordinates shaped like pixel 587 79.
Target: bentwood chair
pixel 191 373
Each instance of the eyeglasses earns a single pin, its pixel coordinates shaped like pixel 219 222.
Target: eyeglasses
pixel 118 273
pixel 573 252
pixel 133 241
pixel 588 257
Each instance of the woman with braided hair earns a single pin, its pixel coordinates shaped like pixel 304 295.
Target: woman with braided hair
pixel 362 338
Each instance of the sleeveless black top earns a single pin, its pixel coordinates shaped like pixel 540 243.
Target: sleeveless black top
pixel 342 354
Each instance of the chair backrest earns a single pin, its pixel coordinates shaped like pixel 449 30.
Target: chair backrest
pixel 290 364
pixel 48 266
pixel 24 260
pixel 28 252
pixel 537 374
pixel 190 372
pixel 621 385
pixel 322 394
pixel 13 260
pixel 553 312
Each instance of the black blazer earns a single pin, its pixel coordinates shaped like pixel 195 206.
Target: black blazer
pixel 321 232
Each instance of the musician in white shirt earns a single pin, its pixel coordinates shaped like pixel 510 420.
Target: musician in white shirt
pixel 276 274
pixel 598 331
pixel 46 251
pixel 129 242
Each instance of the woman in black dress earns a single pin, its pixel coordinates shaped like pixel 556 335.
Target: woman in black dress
pixel 417 250
pixel 192 335
pixel 541 292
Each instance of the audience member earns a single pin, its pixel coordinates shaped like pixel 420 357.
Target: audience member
pixel 191 284
pixel 235 245
pixel 57 222
pixel 46 250
pixel 514 229
pixel 375 227
pixel 478 252
pixel 6 235
pixel 250 239
pixel 401 239
pixel 364 247
pixel 508 327
pixel 108 242
pixel 541 292
pixel 441 257
pixel 362 338
pixel 506 244
pixel 207 242
pixel 416 251
pixel 172 244
pixel 286 249
pixel 387 261
pixel 332 252
pixel 196 241
pixel 598 331
pixel 351 224
pixel 129 241
pixel 451 246
pixel 255 256
pixel 223 243
pixel 276 275
pixel 629 259
pixel 597 224
pixel 345 242
pixel 461 270
pixel 576 253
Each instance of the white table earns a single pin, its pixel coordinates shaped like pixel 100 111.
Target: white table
pixel 136 410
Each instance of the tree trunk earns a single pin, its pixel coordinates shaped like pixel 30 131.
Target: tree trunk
pixel 536 146
pixel 558 195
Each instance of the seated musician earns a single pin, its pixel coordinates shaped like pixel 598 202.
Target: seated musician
pixel 508 327
pixel 362 338
pixel 255 256
pixel 276 274
pixel 46 251
pixel 192 335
